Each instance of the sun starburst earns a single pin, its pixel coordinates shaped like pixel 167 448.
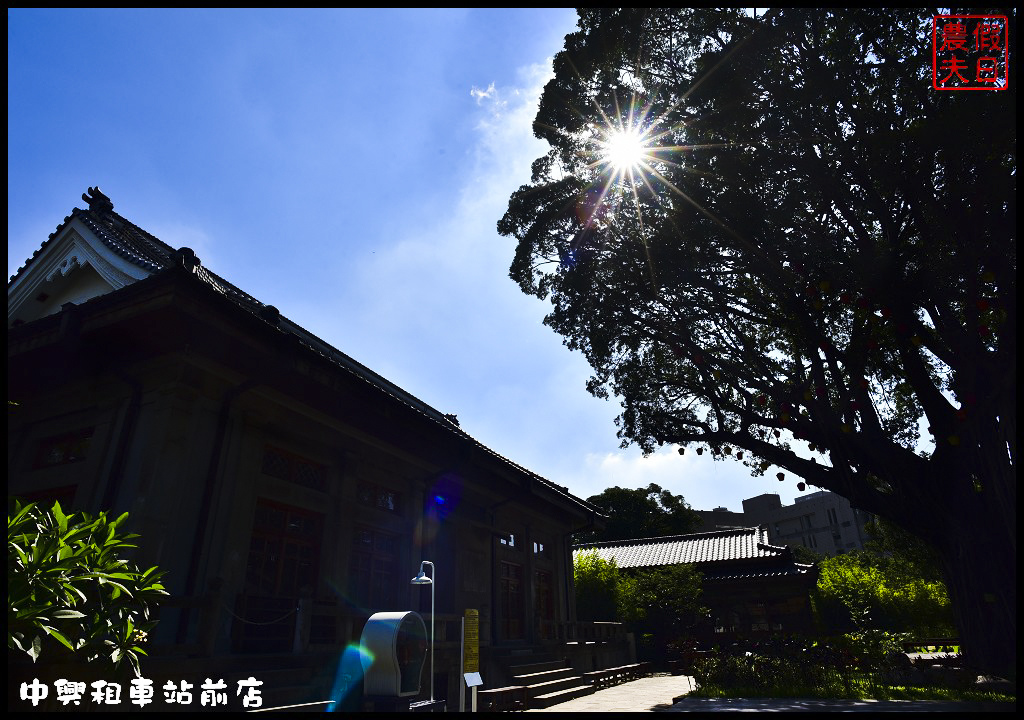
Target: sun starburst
pixel 624 150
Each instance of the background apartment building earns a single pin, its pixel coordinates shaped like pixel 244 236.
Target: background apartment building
pixel 821 521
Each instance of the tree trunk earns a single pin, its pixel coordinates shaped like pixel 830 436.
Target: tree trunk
pixel 966 509
pixel 978 554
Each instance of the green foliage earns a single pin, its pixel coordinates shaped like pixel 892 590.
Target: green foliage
pixel 598 587
pixel 872 650
pixel 641 513
pixel 901 552
pixel 864 592
pixel 661 605
pixel 859 666
pixel 894 585
pixel 758 676
pixel 69 591
pixel 780 666
pixel 805 555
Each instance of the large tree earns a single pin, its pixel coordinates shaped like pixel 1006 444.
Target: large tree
pixel 809 263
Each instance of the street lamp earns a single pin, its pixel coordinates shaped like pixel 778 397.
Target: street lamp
pixel 424 579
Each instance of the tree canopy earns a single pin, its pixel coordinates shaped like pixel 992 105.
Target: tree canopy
pixel 894 547
pixel 640 513
pixel 810 263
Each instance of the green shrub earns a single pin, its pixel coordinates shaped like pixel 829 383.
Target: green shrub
pixel 864 664
pixel 658 604
pixel 661 605
pixel 597 588
pixel 70 593
pixel 781 667
pixel 873 651
pixel 859 590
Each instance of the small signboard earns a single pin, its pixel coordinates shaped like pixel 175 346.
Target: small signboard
pixel 473 680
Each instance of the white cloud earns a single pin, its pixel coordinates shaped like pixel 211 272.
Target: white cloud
pixel 438 314
pixel 481 95
pixel 451 277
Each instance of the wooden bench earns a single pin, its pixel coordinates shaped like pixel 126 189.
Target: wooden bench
pixel 938 643
pixel 504 699
pixel 599 678
pixel 613 676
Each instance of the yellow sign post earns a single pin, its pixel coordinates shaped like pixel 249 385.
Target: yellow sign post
pixel 470 658
pixel 472 641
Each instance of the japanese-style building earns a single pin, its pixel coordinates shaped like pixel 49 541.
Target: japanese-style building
pixel 751 588
pixel 288 491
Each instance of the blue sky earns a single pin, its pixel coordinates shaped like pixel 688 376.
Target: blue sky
pixel 348 167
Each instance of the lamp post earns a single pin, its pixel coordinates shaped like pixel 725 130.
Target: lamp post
pixel 424 579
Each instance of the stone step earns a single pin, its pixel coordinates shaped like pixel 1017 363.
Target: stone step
pixel 549 683
pixel 536 667
pixel 543 676
pixel 537 689
pixel 560 696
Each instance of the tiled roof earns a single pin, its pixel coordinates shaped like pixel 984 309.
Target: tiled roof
pixel 700 548
pixel 127 239
pixel 153 255
pixel 135 245
pixel 777 571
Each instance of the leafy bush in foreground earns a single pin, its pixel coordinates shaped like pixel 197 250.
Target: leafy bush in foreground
pixel 70 592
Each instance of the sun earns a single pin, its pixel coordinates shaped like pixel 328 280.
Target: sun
pixel 624 150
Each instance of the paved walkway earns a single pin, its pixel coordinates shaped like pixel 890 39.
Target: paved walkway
pixel 658 694
pixel 643 695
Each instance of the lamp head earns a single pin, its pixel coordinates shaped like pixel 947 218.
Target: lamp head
pixel 423 578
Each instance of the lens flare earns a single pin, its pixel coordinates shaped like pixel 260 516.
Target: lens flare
pixel 348 679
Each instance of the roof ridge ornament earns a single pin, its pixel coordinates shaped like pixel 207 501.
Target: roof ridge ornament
pixel 97 200
pixel 269 313
pixel 186 257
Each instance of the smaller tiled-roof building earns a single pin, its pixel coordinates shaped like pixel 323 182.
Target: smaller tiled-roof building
pixel 751 587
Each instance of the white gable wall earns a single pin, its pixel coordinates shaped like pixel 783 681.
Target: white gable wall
pixel 80 284
pixel 74 267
